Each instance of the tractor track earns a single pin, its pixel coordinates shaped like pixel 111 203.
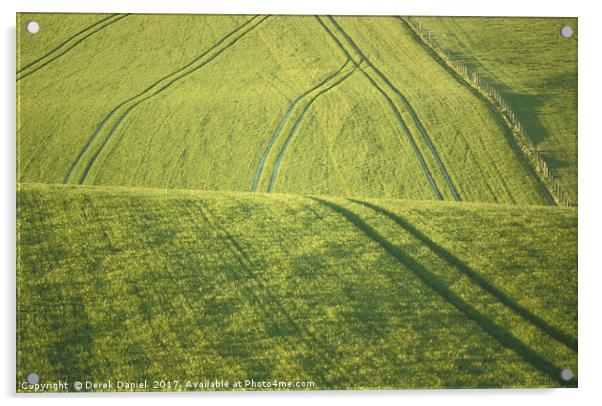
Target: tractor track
pixel 283 121
pixel 338 79
pixel 407 106
pixel 393 107
pixel 504 337
pixel 68 45
pixel 96 144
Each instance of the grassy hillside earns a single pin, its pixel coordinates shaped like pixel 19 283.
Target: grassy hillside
pixel 144 283
pixel 469 150
pixel 57 29
pixel 341 106
pixel 296 198
pixel 536 71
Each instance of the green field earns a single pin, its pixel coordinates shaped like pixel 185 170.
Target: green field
pixel 145 283
pixel 296 198
pixel 178 124
pixel 534 68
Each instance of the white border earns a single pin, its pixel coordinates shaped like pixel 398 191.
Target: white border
pixel 590 281
pixel 358 7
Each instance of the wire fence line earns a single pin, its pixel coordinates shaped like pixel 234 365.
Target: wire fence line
pixel 525 142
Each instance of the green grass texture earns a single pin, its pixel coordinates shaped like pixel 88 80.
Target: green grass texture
pixel 349 106
pixel 536 71
pixel 146 283
pixel 296 198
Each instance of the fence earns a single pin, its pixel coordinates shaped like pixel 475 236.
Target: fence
pixel 490 92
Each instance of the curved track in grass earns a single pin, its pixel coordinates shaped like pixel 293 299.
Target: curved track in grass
pixel 68 45
pixel 90 154
pixel 408 107
pixel 283 121
pixel 328 85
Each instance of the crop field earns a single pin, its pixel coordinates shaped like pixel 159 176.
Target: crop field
pixel 145 283
pixel 535 69
pixel 293 198
pixel 180 125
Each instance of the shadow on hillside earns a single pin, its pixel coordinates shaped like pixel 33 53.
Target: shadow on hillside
pixel 526 106
pixel 555 163
pixel 66 348
pixel 503 336
pixel 474 276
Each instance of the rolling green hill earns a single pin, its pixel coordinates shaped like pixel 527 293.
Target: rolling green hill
pixel 142 283
pixel 267 103
pixel 300 198
pixel 536 71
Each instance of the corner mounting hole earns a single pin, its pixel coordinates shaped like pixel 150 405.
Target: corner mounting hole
pixel 566 374
pixel 566 31
pixel 33 27
pixel 33 378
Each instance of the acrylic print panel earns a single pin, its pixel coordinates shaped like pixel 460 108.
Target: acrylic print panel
pixel 236 202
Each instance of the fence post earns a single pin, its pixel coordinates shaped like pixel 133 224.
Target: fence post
pixel 490 91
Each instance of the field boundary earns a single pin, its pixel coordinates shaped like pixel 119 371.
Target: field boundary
pixel 70 43
pixel 96 144
pixel 511 119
